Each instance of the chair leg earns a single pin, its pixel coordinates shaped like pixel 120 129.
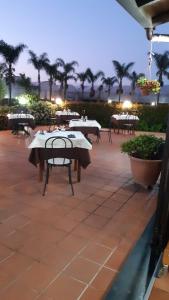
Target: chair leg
pixel 46 180
pixel 70 178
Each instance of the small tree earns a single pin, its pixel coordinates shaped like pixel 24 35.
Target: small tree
pixel 2 89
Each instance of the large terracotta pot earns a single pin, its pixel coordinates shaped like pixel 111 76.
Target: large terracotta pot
pixel 145 172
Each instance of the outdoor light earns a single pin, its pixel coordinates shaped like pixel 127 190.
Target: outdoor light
pixel 153 103
pixel 127 104
pixel 109 101
pixel 22 100
pixel 59 101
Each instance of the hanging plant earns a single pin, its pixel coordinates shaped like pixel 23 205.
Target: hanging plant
pixel 148 86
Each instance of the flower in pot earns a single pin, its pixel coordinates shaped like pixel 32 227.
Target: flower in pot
pixel 145 152
pixel 148 86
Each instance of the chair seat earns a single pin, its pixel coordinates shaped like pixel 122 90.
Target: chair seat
pixel 59 161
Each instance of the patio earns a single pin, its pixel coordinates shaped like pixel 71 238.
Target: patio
pixel 64 247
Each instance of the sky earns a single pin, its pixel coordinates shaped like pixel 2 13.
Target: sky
pixel 91 32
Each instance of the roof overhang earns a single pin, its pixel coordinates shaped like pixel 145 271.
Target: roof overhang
pixel 148 13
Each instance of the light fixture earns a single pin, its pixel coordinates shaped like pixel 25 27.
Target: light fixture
pixel 153 103
pixel 59 101
pixel 23 100
pixel 109 101
pixel 127 104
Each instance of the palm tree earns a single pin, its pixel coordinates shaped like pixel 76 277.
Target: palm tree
pixel 109 82
pixel 82 77
pixel 162 64
pixel 25 82
pixel 92 78
pixel 11 55
pixel 38 63
pixel 100 89
pixel 134 77
pixel 51 70
pixel 3 68
pixel 68 69
pixel 122 71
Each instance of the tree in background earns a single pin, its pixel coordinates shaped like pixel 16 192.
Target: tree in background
pixel 67 73
pixel 122 71
pixel 2 89
pixel 82 77
pixel 162 64
pixel 24 82
pixel 133 77
pixel 52 71
pixel 92 78
pixel 39 64
pixel 109 82
pixel 11 55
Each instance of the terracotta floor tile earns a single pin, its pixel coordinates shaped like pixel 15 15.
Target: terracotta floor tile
pixel 104 279
pixel 158 294
pixel 104 211
pixel 18 291
pixel 96 221
pixel 87 206
pixel 5 252
pixel 37 277
pixel 82 269
pixel 58 290
pixel 15 240
pixel 78 215
pixel 96 253
pixel 57 258
pixel 116 260
pixel 85 231
pixel 17 221
pixel 15 264
pixel 73 243
pixel 92 294
pixel 162 283
pixel 35 248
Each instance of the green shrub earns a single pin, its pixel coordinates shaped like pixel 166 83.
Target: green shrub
pixel 144 147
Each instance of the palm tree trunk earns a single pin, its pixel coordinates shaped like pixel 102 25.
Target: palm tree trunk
pixel 10 84
pixel 50 88
pixel 39 86
pixel 82 87
pixel 120 90
pixel 158 98
pixel 109 90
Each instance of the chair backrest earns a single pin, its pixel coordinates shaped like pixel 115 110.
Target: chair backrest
pixel 59 143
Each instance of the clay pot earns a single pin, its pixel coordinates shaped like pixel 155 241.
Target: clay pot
pixel 145 172
pixel 144 92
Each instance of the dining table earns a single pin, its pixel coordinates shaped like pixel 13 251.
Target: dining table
pixel 79 152
pixel 118 121
pixel 65 116
pixel 15 120
pixel 86 126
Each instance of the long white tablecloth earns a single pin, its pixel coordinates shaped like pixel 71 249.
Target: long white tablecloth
pixel 20 116
pixel 125 117
pixel 78 141
pixel 87 123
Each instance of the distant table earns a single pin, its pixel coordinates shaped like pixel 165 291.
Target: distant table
pixel 121 120
pixel 79 152
pixel 65 116
pixel 15 120
pixel 86 127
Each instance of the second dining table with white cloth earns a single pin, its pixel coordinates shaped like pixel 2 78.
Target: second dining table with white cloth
pixel 118 120
pixel 66 115
pixel 86 126
pixel 79 152
pixel 15 119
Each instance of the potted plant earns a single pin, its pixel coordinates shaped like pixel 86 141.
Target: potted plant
pixel 145 152
pixel 148 86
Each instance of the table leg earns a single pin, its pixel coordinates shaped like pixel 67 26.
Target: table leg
pixel 41 169
pixel 78 172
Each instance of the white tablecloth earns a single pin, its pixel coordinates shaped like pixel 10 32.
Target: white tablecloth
pixel 20 116
pixel 125 117
pixel 79 141
pixel 66 113
pixel 81 123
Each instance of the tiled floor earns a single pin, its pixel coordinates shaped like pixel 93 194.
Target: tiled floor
pixel 60 247
pixel 160 289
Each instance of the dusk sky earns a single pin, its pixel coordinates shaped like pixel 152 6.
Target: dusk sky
pixel 90 31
